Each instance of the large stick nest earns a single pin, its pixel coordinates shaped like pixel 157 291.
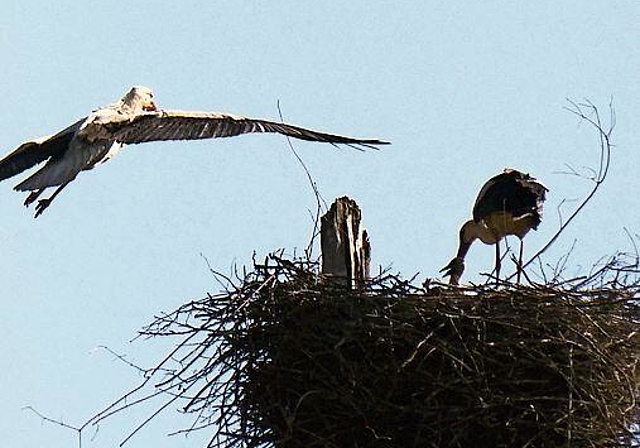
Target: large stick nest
pixel 289 358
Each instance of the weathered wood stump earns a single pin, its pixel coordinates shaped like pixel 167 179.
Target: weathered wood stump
pixel 346 252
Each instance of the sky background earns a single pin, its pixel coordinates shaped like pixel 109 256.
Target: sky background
pixel 462 89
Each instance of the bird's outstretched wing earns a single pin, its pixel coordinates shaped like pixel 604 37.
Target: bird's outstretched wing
pixel 182 125
pixel 36 151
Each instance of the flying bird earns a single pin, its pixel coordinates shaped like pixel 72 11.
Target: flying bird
pixel 508 204
pixel 94 139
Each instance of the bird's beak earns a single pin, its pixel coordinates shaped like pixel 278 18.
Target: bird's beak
pixel 150 107
pixel 454 270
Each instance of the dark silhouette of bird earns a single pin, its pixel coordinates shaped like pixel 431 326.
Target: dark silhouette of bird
pixel 508 204
pixel 94 139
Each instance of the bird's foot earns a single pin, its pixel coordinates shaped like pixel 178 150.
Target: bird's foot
pixel 31 198
pixel 42 206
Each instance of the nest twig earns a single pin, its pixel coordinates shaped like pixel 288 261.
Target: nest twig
pixel 288 358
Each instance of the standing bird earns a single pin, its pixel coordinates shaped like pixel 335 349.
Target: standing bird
pixel 508 204
pixel 134 119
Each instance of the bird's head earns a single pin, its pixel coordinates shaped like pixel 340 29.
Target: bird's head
pixel 469 232
pixel 454 270
pixel 139 99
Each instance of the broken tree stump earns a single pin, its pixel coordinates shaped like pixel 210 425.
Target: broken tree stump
pixel 346 252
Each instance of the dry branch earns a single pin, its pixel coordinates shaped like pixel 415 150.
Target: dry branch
pixel 589 113
pixel 288 358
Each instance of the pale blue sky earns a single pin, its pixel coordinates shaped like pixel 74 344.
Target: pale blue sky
pixel 463 89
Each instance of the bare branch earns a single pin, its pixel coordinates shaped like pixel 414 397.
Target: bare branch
pixel 321 204
pixel 56 422
pixel 589 113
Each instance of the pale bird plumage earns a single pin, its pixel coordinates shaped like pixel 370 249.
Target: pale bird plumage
pixel 134 119
pixel 508 204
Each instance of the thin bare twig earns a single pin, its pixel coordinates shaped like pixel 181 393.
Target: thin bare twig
pixel 56 422
pixel 321 204
pixel 588 112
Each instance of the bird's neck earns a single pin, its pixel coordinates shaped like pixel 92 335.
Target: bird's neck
pixel 472 231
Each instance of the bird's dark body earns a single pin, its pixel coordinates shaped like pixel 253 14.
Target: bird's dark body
pixel 511 191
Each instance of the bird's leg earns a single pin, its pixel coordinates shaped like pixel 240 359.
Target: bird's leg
pixel 498 262
pixel 519 267
pixel 32 197
pixel 44 203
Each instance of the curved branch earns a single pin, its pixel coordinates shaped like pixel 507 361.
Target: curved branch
pixel 588 112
